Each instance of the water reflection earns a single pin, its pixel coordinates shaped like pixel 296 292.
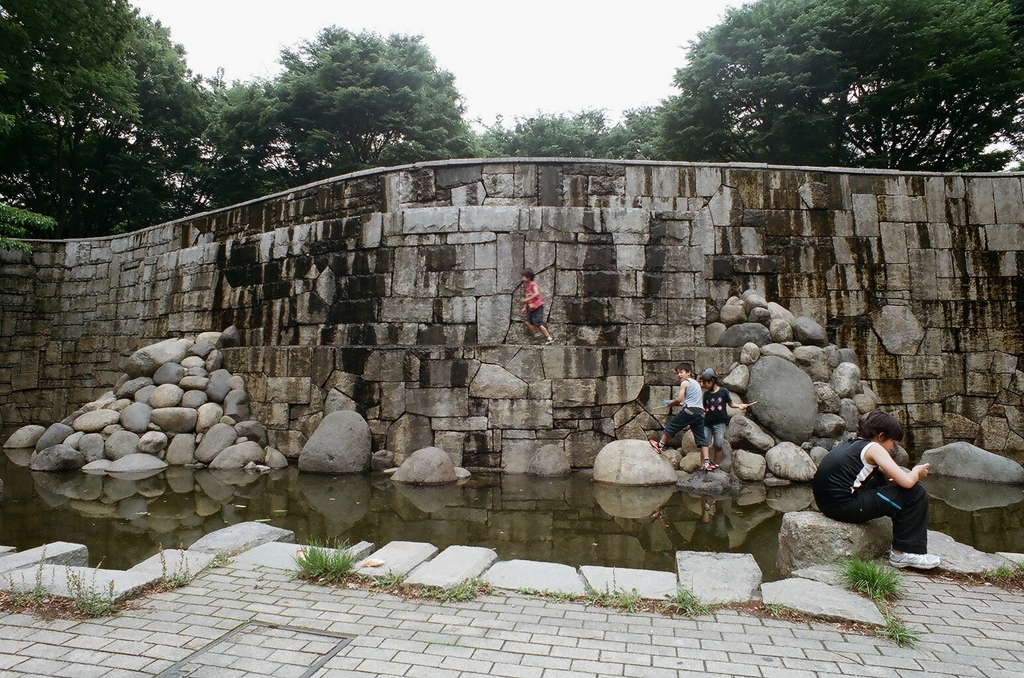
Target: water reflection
pixel 571 520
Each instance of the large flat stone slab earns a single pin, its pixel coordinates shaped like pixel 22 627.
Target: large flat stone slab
pixel 535 576
pixel 241 537
pixel 174 563
pixel 57 553
pixel 826 574
pixel 112 585
pixel 452 566
pixel 650 584
pixel 277 555
pixel 961 558
pixel 1017 558
pixel 399 557
pixel 7 550
pixel 718 578
pixel 808 538
pixel 821 600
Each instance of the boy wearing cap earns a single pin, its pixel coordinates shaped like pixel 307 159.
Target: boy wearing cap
pixel 716 415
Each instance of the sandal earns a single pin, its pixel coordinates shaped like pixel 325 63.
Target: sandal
pixel 708 465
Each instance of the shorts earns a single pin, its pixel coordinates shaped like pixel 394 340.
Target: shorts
pixel 692 417
pixel 716 433
pixel 536 316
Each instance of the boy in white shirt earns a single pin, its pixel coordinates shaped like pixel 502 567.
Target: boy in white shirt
pixel 691 398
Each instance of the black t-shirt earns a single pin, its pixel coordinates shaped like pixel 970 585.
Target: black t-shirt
pixel 714 406
pixel 842 472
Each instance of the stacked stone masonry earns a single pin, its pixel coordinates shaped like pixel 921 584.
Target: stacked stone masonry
pixel 396 292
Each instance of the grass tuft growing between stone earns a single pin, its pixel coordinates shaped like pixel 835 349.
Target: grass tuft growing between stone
pixel 465 590
pixel 325 564
pixel 898 633
pixel 684 602
pixel 88 599
pixel 878 582
pixel 630 601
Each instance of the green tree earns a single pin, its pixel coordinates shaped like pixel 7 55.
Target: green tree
pixel 17 223
pixel 106 117
pixel 586 134
pixel 909 84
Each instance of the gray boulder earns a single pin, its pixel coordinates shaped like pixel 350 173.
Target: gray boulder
pixel 737 380
pixel 780 330
pixel 121 444
pixel 427 466
pixel 253 430
pixel 166 395
pixel 340 444
pixel 708 483
pixel 237 456
pixel 214 360
pixel 738 335
pixel 806 331
pixel 749 353
pixel 217 390
pixel 236 405
pixel 845 380
pixel 963 460
pixel 152 442
pixel 175 419
pixel 850 413
pixel 57 458
pixel 54 435
pixel 196 383
pixel 744 433
pixel 632 462
pixel 790 462
pixel 550 460
pixel 92 446
pixel 129 388
pixel 145 361
pixel 26 436
pixel 136 417
pixel 275 459
pixel 813 361
pixel 229 338
pixel 215 441
pixel 829 426
pixel 783 399
pixel 194 399
pixel 96 421
pixel 209 414
pixel 137 463
pixel 808 538
pixel 828 399
pixel 168 373
pixel 748 466
pixel 144 393
pixel 779 351
pixel 382 460
pixel 732 314
pixel 182 450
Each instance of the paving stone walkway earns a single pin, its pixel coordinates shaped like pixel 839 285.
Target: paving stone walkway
pixel 237 620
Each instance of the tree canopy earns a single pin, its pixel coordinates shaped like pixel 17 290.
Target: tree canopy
pixel 909 84
pixel 105 117
pixel 586 134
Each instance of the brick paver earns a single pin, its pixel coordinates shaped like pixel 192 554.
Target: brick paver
pixel 965 631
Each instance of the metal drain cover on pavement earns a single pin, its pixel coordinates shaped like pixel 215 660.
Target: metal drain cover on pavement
pixel 261 649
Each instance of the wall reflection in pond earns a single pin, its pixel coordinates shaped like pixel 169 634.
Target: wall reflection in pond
pixel 571 520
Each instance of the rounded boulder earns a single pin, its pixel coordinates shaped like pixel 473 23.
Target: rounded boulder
pixel 632 462
pixel 426 466
pixel 783 399
pixel 340 444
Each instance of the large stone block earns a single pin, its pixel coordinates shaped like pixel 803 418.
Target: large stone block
pixel 808 538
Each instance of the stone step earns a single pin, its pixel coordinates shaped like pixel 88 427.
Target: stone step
pixel 821 600
pixel 174 563
pixel 60 580
pixel 281 556
pixel 57 553
pixel 452 566
pixel 535 576
pixel 718 578
pixel 241 537
pixel 649 584
pixel 399 557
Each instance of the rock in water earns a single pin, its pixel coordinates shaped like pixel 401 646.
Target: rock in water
pixel 632 462
pixel 428 466
pixel 341 444
pixel 550 460
pixel 963 460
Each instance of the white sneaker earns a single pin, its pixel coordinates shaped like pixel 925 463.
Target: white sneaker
pixel 918 561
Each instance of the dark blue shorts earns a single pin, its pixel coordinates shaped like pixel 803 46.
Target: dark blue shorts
pixel 692 417
pixel 536 316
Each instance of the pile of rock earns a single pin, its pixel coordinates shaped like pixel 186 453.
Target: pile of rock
pixel 806 395
pixel 174 405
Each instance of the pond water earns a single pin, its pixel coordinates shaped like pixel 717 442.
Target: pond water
pixel 572 521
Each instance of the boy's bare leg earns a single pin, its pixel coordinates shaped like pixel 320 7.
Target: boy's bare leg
pixel 718 457
pixel 544 329
pixel 530 328
pixel 704 454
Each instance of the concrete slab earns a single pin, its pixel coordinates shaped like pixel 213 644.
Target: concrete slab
pixel 535 576
pixel 241 537
pixel 960 558
pixel 57 553
pixel 821 600
pixel 452 566
pixel 649 584
pixel 399 557
pixel 174 563
pixel 280 556
pixel 718 578
pixel 59 580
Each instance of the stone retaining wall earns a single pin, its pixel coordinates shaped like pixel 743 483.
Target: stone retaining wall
pixel 398 290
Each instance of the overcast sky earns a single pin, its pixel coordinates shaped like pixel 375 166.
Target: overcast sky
pixel 509 59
